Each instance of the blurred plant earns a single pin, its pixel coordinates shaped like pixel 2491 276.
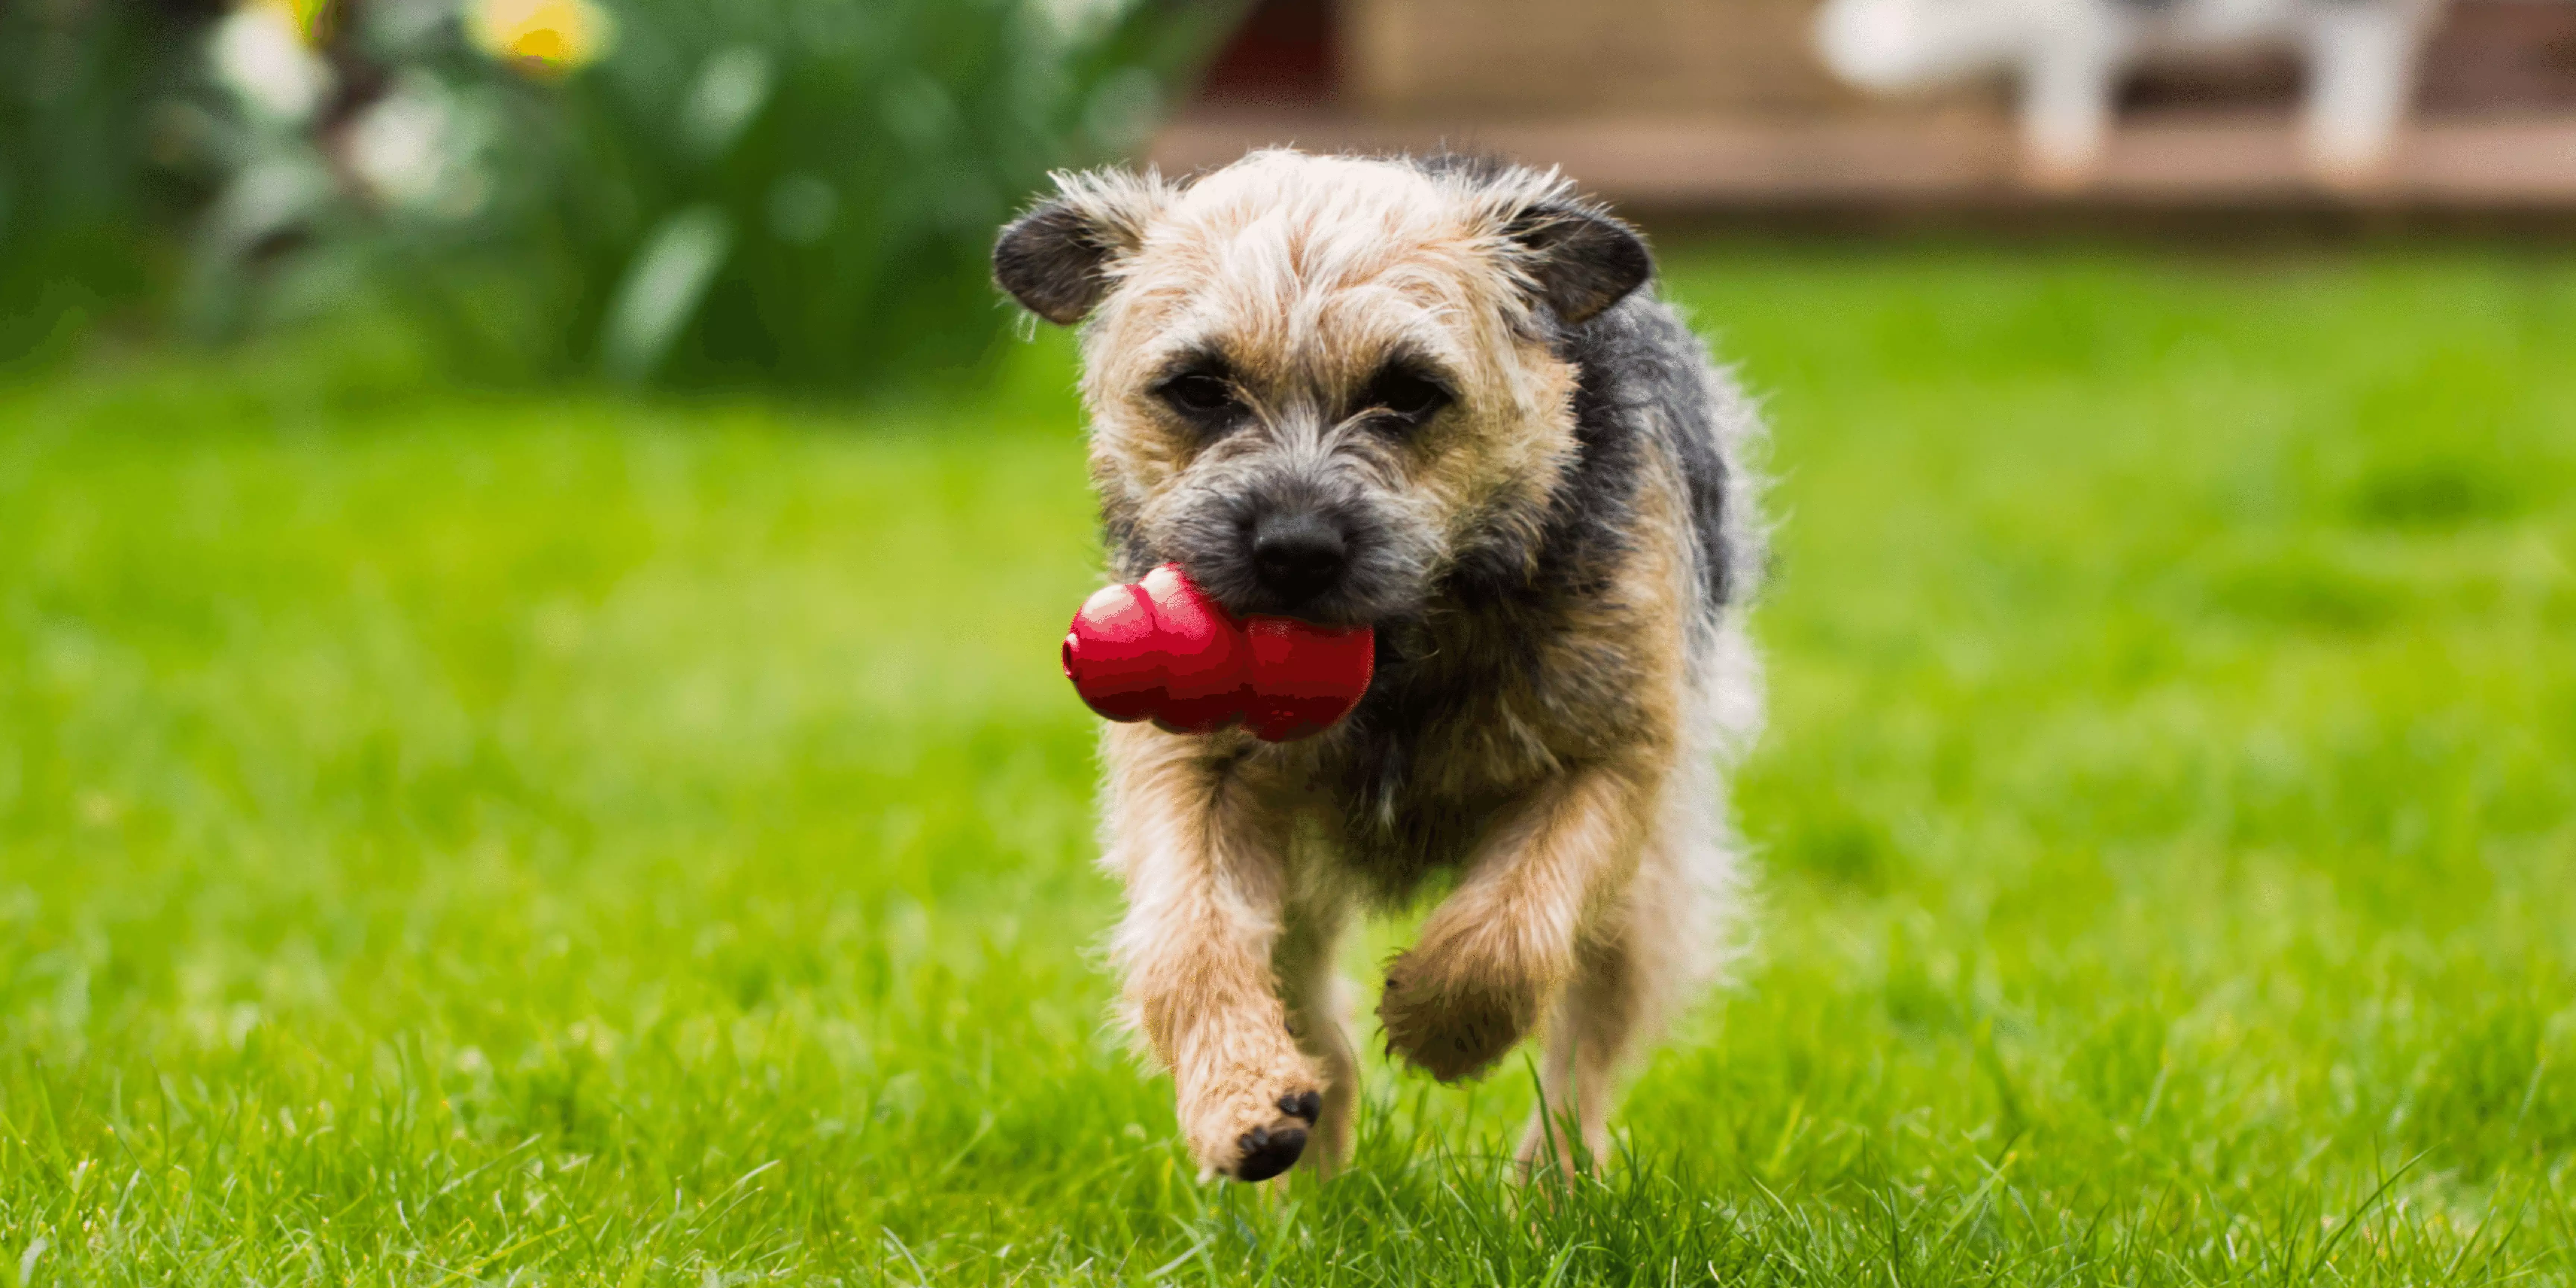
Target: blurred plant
pixel 695 192
pixel 543 36
pixel 86 199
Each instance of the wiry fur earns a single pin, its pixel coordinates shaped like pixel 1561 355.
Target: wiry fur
pixel 1556 563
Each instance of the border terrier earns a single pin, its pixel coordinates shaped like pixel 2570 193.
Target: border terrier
pixel 1436 396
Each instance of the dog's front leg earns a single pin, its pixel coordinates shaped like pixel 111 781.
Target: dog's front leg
pixel 1202 859
pixel 1500 949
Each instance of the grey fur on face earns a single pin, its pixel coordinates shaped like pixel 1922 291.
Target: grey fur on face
pixel 1317 439
pixel 1279 468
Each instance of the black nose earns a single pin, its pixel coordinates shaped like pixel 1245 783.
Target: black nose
pixel 1298 556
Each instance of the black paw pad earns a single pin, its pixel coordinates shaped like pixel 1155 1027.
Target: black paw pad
pixel 1268 1151
pixel 1302 1104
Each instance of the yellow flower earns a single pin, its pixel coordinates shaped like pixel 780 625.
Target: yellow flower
pixel 303 17
pixel 544 36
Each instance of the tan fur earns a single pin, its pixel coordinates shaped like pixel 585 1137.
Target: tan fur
pixel 1287 271
pixel 1576 908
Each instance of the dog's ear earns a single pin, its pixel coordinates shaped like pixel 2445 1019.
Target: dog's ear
pixel 1056 259
pixel 1580 259
pixel 1053 261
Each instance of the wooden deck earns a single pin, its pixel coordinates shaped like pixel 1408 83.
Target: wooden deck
pixel 2521 165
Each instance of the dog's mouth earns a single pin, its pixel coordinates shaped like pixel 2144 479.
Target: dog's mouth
pixel 1244 596
pixel 1359 597
pixel 1326 565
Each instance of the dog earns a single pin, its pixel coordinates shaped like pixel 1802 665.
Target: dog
pixel 2069 55
pixel 1439 397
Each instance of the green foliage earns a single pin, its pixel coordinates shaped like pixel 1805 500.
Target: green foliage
pixel 744 192
pixel 85 213
pixel 555 839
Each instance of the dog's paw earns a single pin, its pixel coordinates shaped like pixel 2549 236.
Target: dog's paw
pixel 1255 1138
pixel 1452 1024
pixel 1268 1150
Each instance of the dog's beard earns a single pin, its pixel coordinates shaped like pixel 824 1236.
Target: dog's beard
pixel 1385 577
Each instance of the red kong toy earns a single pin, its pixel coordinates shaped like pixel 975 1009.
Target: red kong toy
pixel 1161 651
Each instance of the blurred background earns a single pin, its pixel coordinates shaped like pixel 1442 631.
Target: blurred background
pixel 797 193
pixel 772 193
pixel 532 553
pixel 1970 107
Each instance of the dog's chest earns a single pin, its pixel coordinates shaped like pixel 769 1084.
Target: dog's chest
pixel 1465 725
pixel 1414 798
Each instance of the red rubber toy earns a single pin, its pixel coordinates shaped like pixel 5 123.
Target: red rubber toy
pixel 1161 651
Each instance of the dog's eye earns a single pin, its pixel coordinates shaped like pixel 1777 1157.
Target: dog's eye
pixel 1199 395
pixel 1407 396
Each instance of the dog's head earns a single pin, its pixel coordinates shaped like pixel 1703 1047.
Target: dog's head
pixel 1317 382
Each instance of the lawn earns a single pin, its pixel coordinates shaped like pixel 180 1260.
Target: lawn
pixel 456 838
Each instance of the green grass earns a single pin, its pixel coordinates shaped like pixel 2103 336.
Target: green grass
pixel 452 839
